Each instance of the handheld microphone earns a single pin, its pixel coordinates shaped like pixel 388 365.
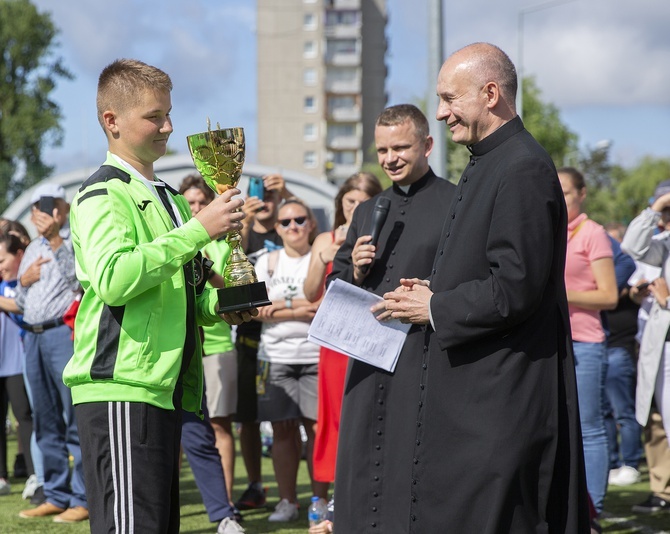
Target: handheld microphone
pixel 379 214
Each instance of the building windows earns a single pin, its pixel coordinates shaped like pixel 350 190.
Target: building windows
pixel 341 130
pixel 341 103
pixel 309 49
pixel 341 46
pixel 309 104
pixel 309 131
pixel 309 21
pixel 345 18
pixel 309 159
pixel 344 157
pixel 309 76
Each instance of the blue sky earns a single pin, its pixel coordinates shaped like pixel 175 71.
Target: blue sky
pixel 604 64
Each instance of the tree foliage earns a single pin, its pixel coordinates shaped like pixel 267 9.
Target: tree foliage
pixel 29 119
pixel 628 191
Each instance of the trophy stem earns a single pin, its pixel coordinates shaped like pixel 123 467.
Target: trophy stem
pixel 239 270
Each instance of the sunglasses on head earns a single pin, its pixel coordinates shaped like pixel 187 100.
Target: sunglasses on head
pixel 299 221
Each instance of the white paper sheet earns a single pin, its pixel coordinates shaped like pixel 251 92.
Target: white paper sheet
pixel 345 323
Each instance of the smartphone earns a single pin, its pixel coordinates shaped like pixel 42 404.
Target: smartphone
pixel 255 187
pixel 642 286
pixel 47 205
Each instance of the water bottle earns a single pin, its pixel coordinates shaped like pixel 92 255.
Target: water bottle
pixel 317 511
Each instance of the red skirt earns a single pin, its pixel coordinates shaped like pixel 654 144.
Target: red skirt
pixel 332 374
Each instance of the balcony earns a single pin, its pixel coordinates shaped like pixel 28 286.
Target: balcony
pixel 343 142
pixel 343 87
pixel 342 4
pixel 343 31
pixel 343 59
pixel 343 114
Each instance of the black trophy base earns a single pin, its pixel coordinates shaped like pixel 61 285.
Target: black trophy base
pixel 240 298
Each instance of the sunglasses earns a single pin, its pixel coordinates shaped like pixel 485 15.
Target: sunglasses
pixel 299 221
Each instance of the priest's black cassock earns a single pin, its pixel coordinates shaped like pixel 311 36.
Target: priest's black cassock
pixel 492 441
pixel 369 475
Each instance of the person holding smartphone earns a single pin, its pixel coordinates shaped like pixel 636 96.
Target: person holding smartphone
pixel 259 236
pixel 46 289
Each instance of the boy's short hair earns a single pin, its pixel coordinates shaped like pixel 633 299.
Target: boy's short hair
pixel 122 83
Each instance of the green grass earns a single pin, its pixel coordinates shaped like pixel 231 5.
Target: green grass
pixel 618 518
pixel 194 519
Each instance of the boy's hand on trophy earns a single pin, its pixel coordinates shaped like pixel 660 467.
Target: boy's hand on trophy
pixel 223 214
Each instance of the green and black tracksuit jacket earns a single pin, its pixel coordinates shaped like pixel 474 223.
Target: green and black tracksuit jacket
pixel 138 317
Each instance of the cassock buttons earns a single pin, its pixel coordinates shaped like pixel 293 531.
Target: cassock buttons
pixel 376 479
pixel 425 366
pixel 374 508
pixel 405 199
pixel 460 197
pixel 402 212
pixel 379 432
pixel 381 386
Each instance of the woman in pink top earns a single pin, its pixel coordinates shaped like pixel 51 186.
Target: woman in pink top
pixel 591 287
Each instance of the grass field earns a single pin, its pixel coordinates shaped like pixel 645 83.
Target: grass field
pixel 618 518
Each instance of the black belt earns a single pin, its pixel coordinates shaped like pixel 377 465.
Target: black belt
pixel 248 342
pixel 41 327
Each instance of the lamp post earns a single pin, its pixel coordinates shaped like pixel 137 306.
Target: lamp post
pixel 522 13
pixel 438 156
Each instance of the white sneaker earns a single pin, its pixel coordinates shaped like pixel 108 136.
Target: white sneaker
pixel 285 511
pixel 5 488
pixel 611 478
pixel 624 476
pixel 229 526
pixel 30 487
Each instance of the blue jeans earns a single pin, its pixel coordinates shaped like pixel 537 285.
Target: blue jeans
pixel 55 426
pixel 199 444
pixel 620 390
pixel 591 370
pixel 35 451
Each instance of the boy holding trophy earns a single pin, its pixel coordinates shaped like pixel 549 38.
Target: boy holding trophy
pixel 137 352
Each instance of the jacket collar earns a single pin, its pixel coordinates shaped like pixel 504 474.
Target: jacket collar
pixel 498 137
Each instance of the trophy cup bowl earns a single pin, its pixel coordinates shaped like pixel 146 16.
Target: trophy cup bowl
pixel 218 156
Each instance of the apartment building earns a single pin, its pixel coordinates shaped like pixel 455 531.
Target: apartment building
pixel 321 84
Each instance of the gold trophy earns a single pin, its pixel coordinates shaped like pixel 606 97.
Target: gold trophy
pixel 218 156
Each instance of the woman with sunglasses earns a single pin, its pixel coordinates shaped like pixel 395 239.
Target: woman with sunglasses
pixel 287 361
pixel 332 365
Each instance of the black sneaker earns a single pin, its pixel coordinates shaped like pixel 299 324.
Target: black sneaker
pixel 251 499
pixel 38 497
pixel 653 504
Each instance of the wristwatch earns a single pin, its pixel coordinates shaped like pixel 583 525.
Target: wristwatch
pixel 288 302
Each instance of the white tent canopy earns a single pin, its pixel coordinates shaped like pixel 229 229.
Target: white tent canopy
pixel 172 169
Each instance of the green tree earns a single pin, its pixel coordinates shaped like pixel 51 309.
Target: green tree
pixel 29 119
pixel 629 191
